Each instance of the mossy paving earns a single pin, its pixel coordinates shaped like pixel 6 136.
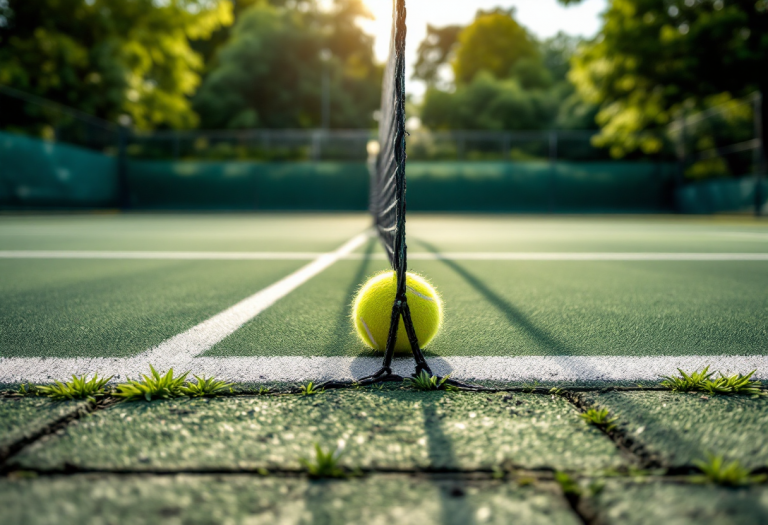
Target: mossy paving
pixel 388 429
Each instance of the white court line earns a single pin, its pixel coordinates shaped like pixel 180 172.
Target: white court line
pixel 294 369
pixel 466 256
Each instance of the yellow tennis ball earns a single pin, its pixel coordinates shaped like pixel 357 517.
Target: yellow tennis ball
pixel 372 311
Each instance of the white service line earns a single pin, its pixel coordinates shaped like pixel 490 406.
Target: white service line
pixel 295 369
pixel 457 256
pixel 205 335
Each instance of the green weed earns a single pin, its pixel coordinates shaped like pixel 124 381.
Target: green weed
pixel 600 418
pixel 569 486
pixel 703 382
pixel 205 387
pixel 310 389
pixel 78 388
pixel 737 384
pixel 424 381
pixel 27 389
pixel 264 390
pixel 729 473
pixel 693 382
pixel 154 386
pixel 555 391
pixel 325 464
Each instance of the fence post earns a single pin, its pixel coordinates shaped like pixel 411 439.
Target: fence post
pixel 759 153
pixel 552 170
pixel 123 196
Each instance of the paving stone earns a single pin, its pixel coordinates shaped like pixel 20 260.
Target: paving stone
pixel 231 499
pixel 653 502
pixel 379 429
pixel 681 428
pixel 22 417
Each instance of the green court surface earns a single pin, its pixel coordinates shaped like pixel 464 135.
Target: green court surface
pixel 121 306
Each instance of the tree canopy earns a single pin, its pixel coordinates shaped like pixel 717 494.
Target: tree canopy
pixel 270 71
pixel 653 58
pixel 110 57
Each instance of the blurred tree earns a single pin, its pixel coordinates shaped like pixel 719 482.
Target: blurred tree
pixel 522 87
pixel 435 52
pixel 269 74
pixel 109 57
pixel 493 42
pixel 489 103
pixel 653 58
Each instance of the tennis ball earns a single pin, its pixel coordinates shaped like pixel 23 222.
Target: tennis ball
pixel 372 311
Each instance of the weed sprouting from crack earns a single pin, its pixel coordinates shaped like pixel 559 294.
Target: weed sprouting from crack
pixel 154 386
pixel 263 391
pixel 425 381
pixel 77 388
pixel 702 382
pixel 205 387
pixel 310 389
pixel 325 464
pixel 600 418
pixel 568 485
pixel 728 473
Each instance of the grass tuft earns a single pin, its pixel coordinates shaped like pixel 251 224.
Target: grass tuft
pixel 154 386
pixel 264 390
pixel 325 464
pixel 728 473
pixel 310 389
pixel 205 387
pixel 424 381
pixel 600 418
pixel 703 382
pixel 569 486
pixel 78 388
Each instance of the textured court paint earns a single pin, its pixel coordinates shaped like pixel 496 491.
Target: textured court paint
pixel 372 311
pixel 117 308
pixel 205 335
pixel 248 499
pixel 456 256
pixel 516 308
pixel 510 233
pixel 524 369
pixel 391 428
pixel 681 428
pixel 255 232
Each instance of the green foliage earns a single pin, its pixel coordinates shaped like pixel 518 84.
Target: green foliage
pixel 154 386
pixel 435 51
pixel 264 390
pixel 702 382
pixel 600 418
pixel 310 389
pixel 108 58
pixel 271 71
pixel 325 464
pixel 568 485
pixel 424 381
pixel 729 473
pixel 490 104
pixel 205 387
pixel 653 59
pixel 78 388
pixel 494 42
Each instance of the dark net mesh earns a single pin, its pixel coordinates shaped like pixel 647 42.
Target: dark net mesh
pixel 387 190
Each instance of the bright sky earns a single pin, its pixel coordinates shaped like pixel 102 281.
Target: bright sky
pixel 544 18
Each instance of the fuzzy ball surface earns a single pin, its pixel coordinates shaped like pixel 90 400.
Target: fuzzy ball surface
pixel 372 311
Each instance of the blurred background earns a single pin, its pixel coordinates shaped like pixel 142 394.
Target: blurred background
pixel 634 106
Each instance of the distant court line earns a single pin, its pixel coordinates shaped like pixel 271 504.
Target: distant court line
pixel 294 369
pixel 466 256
